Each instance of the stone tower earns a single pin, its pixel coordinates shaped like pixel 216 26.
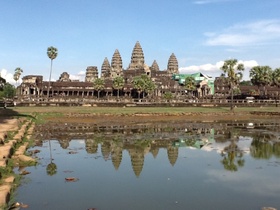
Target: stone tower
pixel 137 57
pixel 105 69
pixel 172 153
pixel 155 66
pixel 137 160
pixel 116 65
pixel 64 77
pixel 172 66
pixel 91 73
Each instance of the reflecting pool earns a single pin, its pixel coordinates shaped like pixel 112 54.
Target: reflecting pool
pixel 165 166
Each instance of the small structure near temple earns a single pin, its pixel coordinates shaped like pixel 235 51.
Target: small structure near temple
pixel 33 86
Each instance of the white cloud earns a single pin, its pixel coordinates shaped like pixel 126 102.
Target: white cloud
pixel 246 34
pixel 9 77
pixel 214 70
pixel 80 76
pixel 246 183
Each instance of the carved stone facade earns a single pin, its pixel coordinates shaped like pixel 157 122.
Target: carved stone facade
pixel 116 65
pixel 105 69
pixel 64 77
pixel 172 67
pixel 163 79
pixel 137 58
pixel 91 73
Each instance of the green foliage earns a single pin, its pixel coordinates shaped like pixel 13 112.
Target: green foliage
pixel 2 83
pixel 52 52
pixel 276 77
pixel 8 170
pixel 98 84
pixel 118 83
pixel 144 83
pixel 236 91
pixel 8 91
pixel 17 73
pixel 232 157
pixel 190 84
pixel 261 75
pixel 168 96
pixel 51 169
pixel 232 74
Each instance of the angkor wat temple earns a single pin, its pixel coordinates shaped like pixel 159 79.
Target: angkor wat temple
pixel 33 86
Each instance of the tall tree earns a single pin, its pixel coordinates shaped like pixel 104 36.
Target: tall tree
pixel 143 84
pixel 52 54
pixel 2 82
pixel 149 85
pixel 138 84
pixel 276 77
pixel 17 74
pixel 190 84
pixel 51 167
pixel 233 75
pixel 261 76
pixel 118 84
pixel 98 84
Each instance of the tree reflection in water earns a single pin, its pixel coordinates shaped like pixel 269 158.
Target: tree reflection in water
pixel 51 167
pixel 263 146
pixel 232 154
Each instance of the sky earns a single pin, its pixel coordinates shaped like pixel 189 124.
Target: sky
pixel 201 33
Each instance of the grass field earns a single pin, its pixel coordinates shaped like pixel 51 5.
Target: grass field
pixel 133 110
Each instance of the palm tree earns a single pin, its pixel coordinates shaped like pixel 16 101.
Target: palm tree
pixel 232 155
pixel 98 84
pixel 118 84
pixel 233 72
pixel 17 74
pixel 52 54
pixel 51 167
pixel 276 77
pixel 190 84
pixel 261 76
pixel 149 86
pixel 138 84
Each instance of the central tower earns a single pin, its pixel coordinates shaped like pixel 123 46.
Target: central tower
pixel 137 57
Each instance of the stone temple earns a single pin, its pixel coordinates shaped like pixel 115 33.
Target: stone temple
pixel 34 87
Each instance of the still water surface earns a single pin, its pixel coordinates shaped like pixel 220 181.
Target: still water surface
pixel 201 166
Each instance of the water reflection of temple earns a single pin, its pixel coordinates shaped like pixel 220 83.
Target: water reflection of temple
pixel 113 150
pixel 140 140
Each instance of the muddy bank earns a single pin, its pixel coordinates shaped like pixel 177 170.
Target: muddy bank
pixel 121 119
pixel 15 134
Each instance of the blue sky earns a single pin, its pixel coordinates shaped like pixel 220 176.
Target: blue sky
pixel 201 33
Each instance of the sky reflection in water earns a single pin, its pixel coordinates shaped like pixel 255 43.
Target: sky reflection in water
pixel 198 169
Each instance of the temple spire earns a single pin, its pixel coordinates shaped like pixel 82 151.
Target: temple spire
pixel 172 66
pixel 137 57
pixel 116 64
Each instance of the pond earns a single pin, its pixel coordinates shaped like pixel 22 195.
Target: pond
pixel 178 166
